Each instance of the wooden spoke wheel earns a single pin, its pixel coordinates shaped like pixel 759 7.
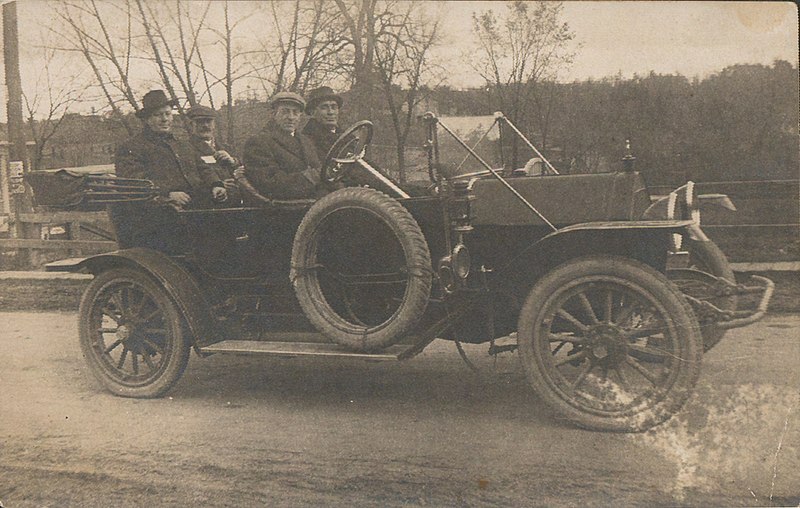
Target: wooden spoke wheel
pixel 588 334
pixel 131 334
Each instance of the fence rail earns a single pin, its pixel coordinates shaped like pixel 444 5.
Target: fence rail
pixel 25 243
pixel 82 233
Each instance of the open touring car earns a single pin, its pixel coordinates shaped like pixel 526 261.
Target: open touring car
pixel 610 299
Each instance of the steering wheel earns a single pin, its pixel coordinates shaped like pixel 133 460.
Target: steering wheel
pixel 350 147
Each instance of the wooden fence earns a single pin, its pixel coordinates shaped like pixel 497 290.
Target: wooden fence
pixel 48 236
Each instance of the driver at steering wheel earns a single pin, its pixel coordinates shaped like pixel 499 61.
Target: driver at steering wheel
pixel 279 161
pixel 323 106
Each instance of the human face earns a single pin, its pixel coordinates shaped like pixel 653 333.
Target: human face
pixel 287 116
pixel 203 128
pixel 160 120
pixel 327 113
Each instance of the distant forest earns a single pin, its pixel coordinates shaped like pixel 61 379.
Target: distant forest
pixel 738 124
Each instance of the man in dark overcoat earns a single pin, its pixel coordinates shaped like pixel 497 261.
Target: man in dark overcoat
pixel 323 106
pixel 203 129
pixel 279 161
pixel 182 178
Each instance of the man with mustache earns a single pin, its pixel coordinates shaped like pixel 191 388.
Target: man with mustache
pixel 182 178
pixel 203 138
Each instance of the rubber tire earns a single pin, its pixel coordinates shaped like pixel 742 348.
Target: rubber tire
pixel 646 279
pixel 418 261
pixel 706 256
pixel 176 361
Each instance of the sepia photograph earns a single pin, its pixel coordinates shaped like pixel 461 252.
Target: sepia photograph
pixel 384 253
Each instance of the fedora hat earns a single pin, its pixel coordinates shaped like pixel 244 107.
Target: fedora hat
pixel 153 100
pixel 322 94
pixel 287 97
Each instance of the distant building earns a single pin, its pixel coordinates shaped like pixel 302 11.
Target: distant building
pixel 82 140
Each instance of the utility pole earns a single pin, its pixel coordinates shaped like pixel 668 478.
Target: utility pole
pixel 17 148
pixel 13 83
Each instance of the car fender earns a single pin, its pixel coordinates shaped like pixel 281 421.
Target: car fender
pixel 181 286
pixel 659 209
pixel 645 241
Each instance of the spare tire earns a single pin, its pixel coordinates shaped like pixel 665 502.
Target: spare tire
pixel 361 269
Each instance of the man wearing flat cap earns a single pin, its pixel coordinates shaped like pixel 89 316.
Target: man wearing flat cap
pixel 183 179
pixel 203 129
pixel 323 106
pixel 279 161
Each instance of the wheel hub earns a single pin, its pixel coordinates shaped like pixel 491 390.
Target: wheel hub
pixel 124 332
pixel 607 344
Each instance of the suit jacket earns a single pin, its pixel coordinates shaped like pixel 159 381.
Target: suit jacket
pixel 204 149
pixel 282 166
pixel 172 165
pixel 322 136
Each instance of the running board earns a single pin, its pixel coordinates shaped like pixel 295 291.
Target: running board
pixel 292 349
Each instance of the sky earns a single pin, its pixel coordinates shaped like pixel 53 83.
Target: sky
pixel 691 38
pixel 627 38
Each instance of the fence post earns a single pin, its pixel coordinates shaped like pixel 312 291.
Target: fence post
pixel 9 210
pixel 5 193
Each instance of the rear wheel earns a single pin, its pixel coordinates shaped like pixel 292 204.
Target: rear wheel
pixel 582 331
pixel 131 334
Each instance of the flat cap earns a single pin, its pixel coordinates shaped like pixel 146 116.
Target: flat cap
pixel 289 97
pixel 198 111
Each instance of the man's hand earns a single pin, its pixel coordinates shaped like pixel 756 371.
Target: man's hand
pixel 219 194
pixel 230 184
pixel 224 158
pixel 179 199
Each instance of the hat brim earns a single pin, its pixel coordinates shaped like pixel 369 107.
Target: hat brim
pixel 293 102
pixel 313 103
pixel 145 112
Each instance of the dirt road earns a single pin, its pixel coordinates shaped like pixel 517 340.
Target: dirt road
pixel 240 431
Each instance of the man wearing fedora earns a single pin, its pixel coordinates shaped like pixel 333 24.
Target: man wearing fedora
pixel 279 161
pixel 203 129
pixel 182 178
pixel 323 107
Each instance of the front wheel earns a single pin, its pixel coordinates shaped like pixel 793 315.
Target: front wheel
pixel 131 334
pixel 583 330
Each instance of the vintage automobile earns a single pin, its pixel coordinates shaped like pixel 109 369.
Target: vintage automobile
pixel 609 298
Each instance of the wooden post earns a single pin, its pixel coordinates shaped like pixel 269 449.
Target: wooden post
pixel 5 193
pixel 16 125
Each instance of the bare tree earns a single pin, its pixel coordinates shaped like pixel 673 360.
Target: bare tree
pixel 236 66
pixel 520 50
pixel 110 65
pixel 303 53
pixel 363 23
pixel 402 45
pixel 49 104
pixel 158 24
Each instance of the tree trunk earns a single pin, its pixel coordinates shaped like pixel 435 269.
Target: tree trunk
pixel 401 161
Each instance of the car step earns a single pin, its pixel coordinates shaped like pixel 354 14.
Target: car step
pixel 292 349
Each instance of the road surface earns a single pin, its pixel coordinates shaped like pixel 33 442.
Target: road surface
pixel 244 431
